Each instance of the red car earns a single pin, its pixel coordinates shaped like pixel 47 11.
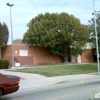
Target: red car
pixel 8 84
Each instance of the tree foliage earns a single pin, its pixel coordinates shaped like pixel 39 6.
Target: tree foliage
pixel 92 28
pixel 56 31
pixel 4 34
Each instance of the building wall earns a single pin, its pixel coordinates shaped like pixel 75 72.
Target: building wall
pixel 87 56
pixel 40 55
pixel 35 55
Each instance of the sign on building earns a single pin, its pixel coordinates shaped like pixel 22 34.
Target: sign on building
pixel 17 64
pixel 23 52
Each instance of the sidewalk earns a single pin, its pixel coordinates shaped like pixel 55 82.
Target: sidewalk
pixel 36 81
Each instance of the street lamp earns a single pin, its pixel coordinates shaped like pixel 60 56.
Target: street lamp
pixel 10 5
pixel 95 24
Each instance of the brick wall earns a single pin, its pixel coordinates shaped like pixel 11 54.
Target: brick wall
pixel 40 55
pixel 87 56
pixel 36 55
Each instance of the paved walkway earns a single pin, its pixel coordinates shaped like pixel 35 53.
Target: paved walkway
pixel 36 81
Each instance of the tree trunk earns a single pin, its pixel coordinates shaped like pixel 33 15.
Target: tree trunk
pixel 65 59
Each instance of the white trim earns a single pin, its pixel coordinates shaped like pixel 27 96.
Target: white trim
pixel 72 58
pixel 79 59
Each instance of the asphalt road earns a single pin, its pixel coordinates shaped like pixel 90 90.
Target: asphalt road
pixel 80 90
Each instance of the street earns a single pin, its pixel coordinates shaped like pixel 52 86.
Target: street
pixel 80 90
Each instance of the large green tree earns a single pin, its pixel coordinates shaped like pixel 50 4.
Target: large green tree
pixel 56 31
pixel 4 35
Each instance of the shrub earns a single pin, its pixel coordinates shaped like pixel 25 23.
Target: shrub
pixel 4 64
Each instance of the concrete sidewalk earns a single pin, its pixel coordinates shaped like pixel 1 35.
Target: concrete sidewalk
pixel 36 81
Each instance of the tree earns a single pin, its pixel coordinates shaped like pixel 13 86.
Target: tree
pixel 92 29
pixel 56 32
pixel 4 35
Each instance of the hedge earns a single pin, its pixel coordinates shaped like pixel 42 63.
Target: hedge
pixel 4 64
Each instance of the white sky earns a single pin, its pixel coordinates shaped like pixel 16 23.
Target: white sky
pixel 24 10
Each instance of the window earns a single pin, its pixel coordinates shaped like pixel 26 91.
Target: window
pixel 23 52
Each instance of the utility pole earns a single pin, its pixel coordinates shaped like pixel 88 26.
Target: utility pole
pixel 96 37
